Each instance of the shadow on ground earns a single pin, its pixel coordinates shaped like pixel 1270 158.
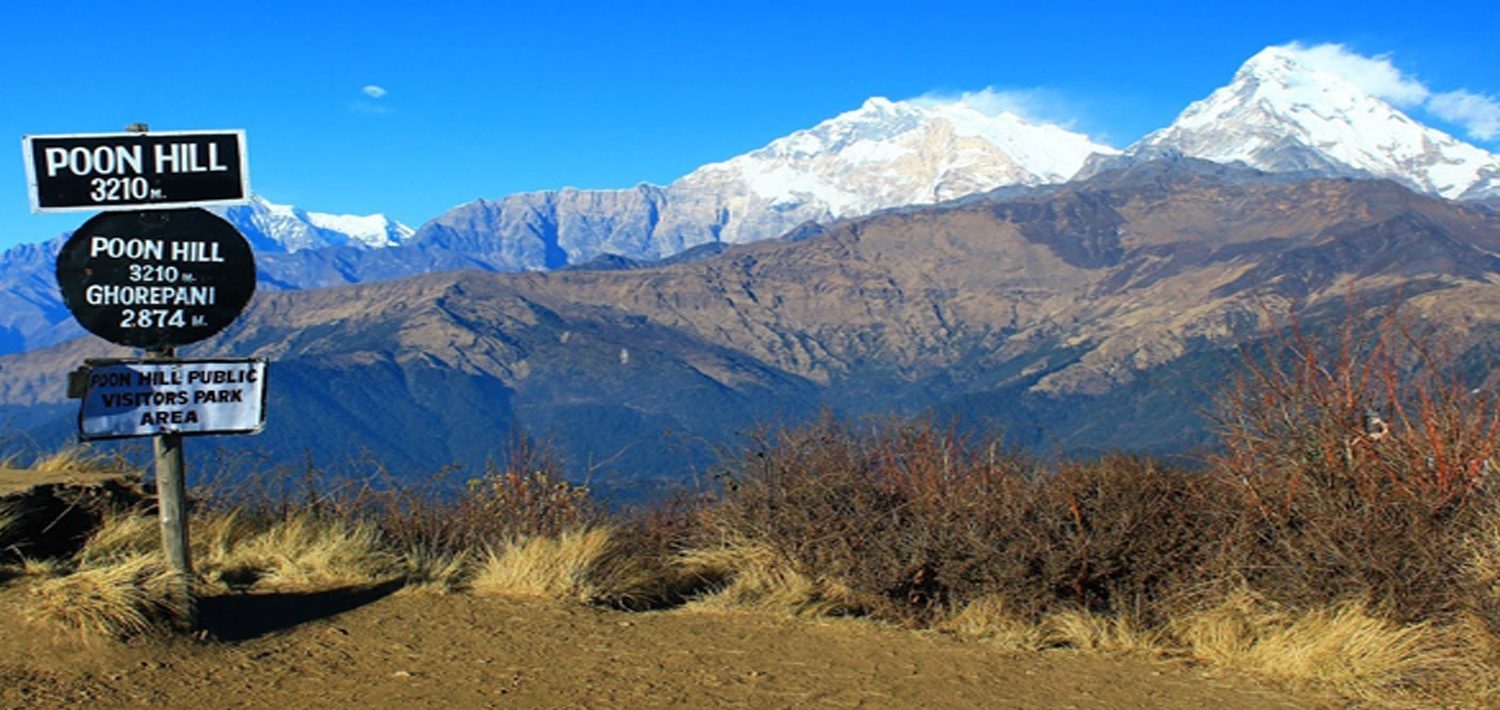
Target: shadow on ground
pixel 241 617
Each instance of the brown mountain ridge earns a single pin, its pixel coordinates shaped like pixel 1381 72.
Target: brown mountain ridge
pixel 1090 315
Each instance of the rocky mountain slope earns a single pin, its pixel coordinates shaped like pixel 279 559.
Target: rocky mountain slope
pixel 884 154
pixel 1097 314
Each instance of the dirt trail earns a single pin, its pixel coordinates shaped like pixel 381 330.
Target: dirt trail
pixel 412 650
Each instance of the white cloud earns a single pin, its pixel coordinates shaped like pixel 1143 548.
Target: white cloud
pixel 1375 75
pixel 1477 113
pixel 1037 105
pixel 374 91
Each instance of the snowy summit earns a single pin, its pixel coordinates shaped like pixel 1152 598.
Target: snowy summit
pixel 885 154
pixel 1322 109
pixel 274 227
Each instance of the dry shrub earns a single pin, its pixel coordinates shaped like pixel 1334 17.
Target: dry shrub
pixel 627 565
pixel 123 597
pixel 218 536
pixel 1120 535
pixel 56 518
pixel 1324 545
pixel 1342 647
pixel 1360 471
pixel 653 539
pixel 528 496
pixel 305 528
pixel 916 523
pixel 1382 411
pixel 857 511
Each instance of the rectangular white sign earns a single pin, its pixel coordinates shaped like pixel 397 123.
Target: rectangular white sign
pixel 127 398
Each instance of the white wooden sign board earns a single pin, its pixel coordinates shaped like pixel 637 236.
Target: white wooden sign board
pixel 127 398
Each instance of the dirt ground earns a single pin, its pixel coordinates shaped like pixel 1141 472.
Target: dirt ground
pixel 380 648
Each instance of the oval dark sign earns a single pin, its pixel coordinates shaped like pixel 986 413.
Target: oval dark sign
pixel 158 278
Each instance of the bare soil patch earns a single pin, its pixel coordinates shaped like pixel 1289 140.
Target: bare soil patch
pixel 400 649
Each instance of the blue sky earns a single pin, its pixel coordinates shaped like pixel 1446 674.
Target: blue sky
pixel 481 99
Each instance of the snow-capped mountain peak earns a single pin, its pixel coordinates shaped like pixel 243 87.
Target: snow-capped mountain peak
pixel 276 227
pixel 375 231
pixel 1289 108
pixel 883 154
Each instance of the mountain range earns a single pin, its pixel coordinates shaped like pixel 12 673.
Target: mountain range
pixel 904 257
pixel 1100 313
pixel 1279 113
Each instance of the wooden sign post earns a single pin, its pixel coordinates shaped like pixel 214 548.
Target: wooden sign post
pixel 171 511
pixel 156 273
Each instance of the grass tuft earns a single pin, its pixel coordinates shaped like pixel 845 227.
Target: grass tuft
pixel 1342 647
pixel 990 619
pixel 750 576
pixel 10 515
pixel 125 597
pixel 43 567
pixel 552 567
pixel 1483 548
pixel 1097 632
pixel 121 535
pixel 430 570
pixel 76 459
pixel 300 552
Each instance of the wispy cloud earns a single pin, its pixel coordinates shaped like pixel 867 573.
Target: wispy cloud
pixel 1478 114
pixel 1376 75
pixel 372 100
pixel 1038 105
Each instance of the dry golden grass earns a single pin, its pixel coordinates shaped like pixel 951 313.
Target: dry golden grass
pixel 10 514
pixel 432 571
pixel 561 567
pixel 1343 648
pixel 754 577
pixel 74 459
pixel 124 597
pixel 121 535
pixel 1484 559
pixel 43 568
pixel 1105 634
pixel 298 552
pixel 117 585
pixel 988 619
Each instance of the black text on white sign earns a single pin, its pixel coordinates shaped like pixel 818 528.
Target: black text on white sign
pixel 130 398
